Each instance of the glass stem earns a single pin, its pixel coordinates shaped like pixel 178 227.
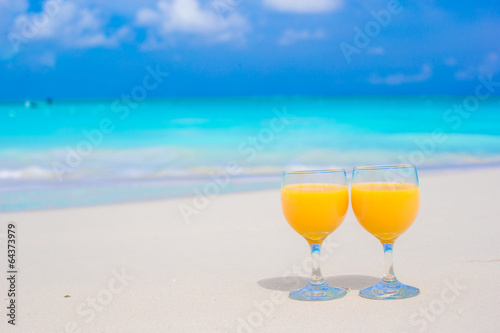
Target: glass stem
pixel 389 269
pixel 316 276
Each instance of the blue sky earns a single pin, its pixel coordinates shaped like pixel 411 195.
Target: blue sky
pixel 100 49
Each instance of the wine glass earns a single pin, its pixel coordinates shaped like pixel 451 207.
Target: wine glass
pixel 314 204
pixel 385 200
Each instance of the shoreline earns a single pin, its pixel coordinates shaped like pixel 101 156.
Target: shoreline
pixel 263 183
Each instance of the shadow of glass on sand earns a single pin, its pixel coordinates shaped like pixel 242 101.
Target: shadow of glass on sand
pixel 289 283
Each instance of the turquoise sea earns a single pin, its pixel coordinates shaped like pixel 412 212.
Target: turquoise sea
pixel 78 153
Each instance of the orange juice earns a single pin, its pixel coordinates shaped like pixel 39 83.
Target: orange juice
pixel 385 210
pixel 314 210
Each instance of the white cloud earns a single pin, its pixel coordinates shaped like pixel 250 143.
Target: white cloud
pixel 489 65
pixel 450 61
pixel 378 50
pixel 13 6
pixel 47 59
pixel 400 78
pixel 291 36
pixel 303 6
pixel 9 10
pixel 464 74
pixel 126 8
pixel 188 17
pixel 68 24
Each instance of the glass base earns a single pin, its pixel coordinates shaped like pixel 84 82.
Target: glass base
pixel 389 290
pixel 317 292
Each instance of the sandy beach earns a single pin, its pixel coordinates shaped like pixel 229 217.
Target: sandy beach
pixel 141 267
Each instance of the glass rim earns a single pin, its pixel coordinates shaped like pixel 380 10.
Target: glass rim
pixel 313 171
pixel 388 166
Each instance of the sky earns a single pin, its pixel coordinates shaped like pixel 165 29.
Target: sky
pixel 84 49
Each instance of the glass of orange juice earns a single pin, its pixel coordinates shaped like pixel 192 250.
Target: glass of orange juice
pixel 314 204
pixel 385 200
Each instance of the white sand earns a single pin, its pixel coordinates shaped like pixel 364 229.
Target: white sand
pixel 212 275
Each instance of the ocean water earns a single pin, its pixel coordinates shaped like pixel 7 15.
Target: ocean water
pixel 78 153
